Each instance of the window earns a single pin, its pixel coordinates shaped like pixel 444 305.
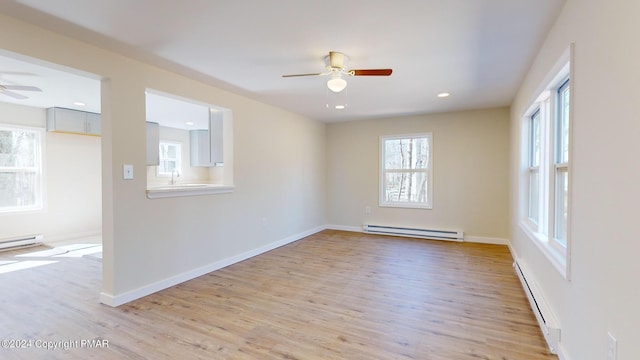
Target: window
pixel 170 158
pixel 406 175
pixel 561 164
pixel 20 169
pixel 545 184
pixel 534 167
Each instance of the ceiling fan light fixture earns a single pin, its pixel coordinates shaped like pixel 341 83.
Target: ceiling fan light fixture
pixel 337 83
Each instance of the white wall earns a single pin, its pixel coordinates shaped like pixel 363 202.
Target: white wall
pixel 603 293
pixel 73 183
pixel 470 167
pixel 279 165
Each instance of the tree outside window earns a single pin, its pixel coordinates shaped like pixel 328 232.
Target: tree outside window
pixel 20 169
pixel 406 176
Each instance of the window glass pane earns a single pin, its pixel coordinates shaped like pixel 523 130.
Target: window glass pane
pixel 561 205
pixel 18 189
pixel 406 187
pixel 171 152
pixel 534 195
pixel 562 126
pixel 410 153
pixel 164 150
pixel 169 165
pixel 534 145
pixel 18 148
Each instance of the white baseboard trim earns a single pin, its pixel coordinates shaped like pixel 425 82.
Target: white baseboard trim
pixel 514 255
pixel 486 240
pixel 120 299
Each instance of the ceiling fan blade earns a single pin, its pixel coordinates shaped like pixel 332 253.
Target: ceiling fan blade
pixel 21 87
pixel 371 72
pixel 13 95
pixel 295 75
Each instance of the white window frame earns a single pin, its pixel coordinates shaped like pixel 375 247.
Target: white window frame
pixel 543 231
pixel 428 170
pixel 37 169
pixel 178 159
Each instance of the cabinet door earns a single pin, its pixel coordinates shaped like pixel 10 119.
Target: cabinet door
pixel 215 131
pixel 93 126
pixel 153 143
pixel 200 153
pixel 65 120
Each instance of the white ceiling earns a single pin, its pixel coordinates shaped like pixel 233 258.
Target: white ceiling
pixel 478 50
pixel 61 87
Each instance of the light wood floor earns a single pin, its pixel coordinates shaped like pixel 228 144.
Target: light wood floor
pixel 333 295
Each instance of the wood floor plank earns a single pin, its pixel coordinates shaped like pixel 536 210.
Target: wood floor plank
pixel 333 295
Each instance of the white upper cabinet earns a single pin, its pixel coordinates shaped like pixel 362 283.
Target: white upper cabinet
pixel 93 124
pixel 153 143
pixel 216 136
pixel 73 121
pixel 206 145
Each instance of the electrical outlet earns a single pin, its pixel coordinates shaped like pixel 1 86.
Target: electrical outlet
pixel 612 347
pixel 367 209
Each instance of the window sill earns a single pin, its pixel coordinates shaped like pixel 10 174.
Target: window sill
pixel 180 190
pixel 557 258
pixel 23 211
pixel 407 205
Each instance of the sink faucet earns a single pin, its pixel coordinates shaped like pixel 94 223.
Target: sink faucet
pixel 177 175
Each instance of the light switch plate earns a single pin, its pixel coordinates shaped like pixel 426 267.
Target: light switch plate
pixel 127 172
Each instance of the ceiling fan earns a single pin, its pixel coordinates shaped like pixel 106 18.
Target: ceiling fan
pixel 336 66
pixel 6 90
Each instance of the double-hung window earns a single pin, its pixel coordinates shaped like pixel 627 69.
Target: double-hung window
pixel 20 169
pixel 545 184
pixel 170 158
pixel 406 171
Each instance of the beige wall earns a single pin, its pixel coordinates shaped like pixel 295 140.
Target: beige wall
pixel 470 172
pixel 603 293
pixel 279 164
pixel 72 183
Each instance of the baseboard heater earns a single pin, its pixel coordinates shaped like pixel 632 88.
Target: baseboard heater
pixel 19 242
pixel 453 235
pixel 547 322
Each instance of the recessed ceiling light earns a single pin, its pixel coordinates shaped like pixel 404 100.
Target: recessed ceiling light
pixel 79 103
pixel 339 107
pixel 443 95
pixel 190 123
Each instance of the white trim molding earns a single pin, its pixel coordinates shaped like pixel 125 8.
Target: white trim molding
pixel 486 240
pixel 187 190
